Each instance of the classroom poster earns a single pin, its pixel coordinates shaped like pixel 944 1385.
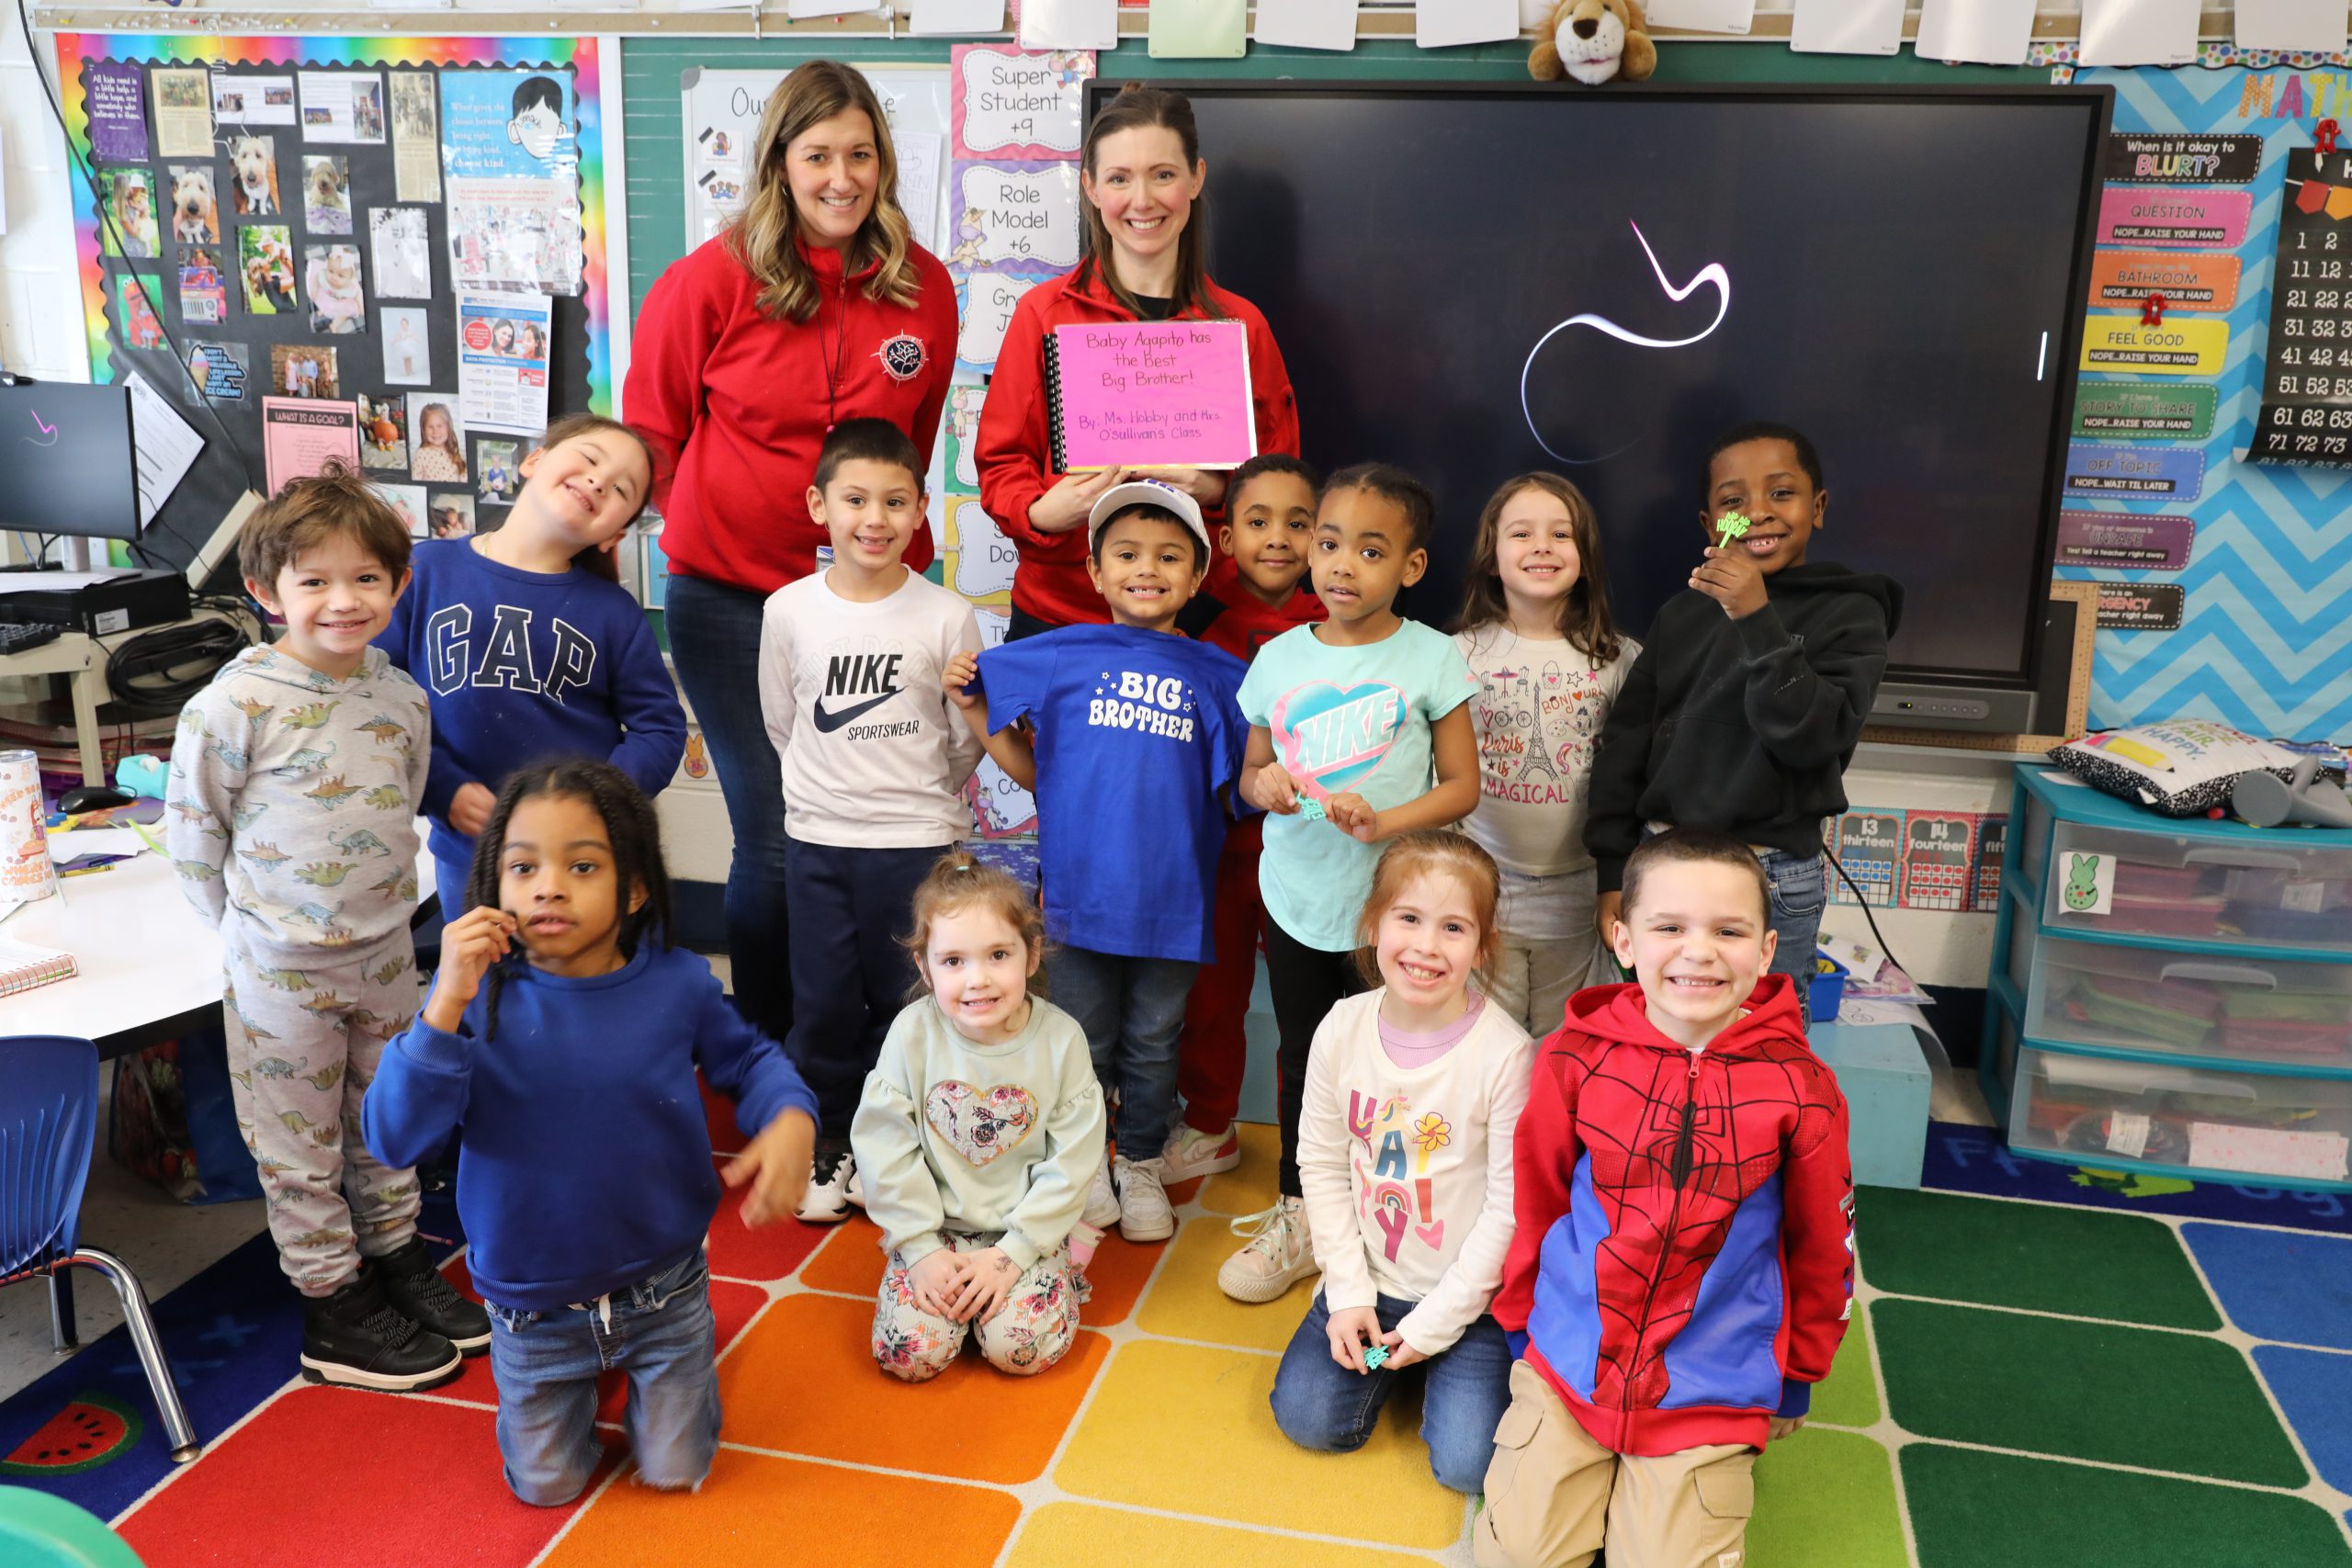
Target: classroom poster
pixel 253 176
pixel 342 106
pixel 127 212
pixel 1022 214
pixel 330 277
pixel 408 345
pixel 416 136
pixel 511 156
pixel 2137 473
pixel 983 302
pixel 1000 809
pixel 265 268
pixel 1869 844
pixel 408 504
pixel 494 469
pixel 1935 851
pixel 516 234
pixel 437 441
pixel 136 296
pixel 502 361
pixel 963 469
pixel 403 253
pixel 383 432
pixel 2127 541
pixel 304 370
pixel 118 113
pixel 219 367
pixel 183 111
pixel 301 437
pixel 450 516
pixel 252 100
pixel 326 193
pixel 204 294
pixel 1012 104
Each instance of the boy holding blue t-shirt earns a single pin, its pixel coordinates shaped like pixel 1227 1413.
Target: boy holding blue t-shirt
pixel 1137 731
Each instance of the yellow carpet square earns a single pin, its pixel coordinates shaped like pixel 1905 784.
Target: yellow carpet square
pixel 1187 1428
pixel 1184 1303
pixel 1251 1185
pixel 1074 1535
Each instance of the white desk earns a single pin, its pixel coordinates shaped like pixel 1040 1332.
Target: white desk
pixel 150 966
pixel 83 659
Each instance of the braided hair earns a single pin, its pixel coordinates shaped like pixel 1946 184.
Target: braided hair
pixel 629 823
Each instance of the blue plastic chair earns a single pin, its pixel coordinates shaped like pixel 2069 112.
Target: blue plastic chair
pixel 48 1109
pixel 38 1530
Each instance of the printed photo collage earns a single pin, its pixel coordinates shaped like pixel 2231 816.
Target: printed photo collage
pixel 286 230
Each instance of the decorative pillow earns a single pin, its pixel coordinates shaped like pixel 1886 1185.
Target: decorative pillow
pixel 2185 767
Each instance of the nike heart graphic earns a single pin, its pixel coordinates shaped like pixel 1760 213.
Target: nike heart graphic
pixel 828 722
pixel 1332 738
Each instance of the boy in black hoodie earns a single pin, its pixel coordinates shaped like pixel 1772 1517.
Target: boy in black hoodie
pixel 1751 690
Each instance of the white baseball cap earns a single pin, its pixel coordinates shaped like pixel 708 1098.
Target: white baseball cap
pixel 1148 492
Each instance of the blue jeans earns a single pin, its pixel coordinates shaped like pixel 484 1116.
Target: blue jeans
pixel 660 1332
pixel 1799 889
pixel 1321 1405
pixel 1133 1012
pixel 715 637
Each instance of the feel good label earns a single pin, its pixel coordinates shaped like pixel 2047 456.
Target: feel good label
pixel 2175 348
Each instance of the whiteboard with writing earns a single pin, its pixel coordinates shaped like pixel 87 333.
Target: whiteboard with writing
pixel 722 121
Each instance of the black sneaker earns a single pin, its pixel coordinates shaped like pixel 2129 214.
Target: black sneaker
pixel 421 1294
pixel 358 1337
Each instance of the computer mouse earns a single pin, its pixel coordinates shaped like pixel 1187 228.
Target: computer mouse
pixel 92 797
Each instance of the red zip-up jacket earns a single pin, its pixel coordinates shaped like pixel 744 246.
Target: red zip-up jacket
pixel 1014 450
pixel 735 403
pixel 1683 1267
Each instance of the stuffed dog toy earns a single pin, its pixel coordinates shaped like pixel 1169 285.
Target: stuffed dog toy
pixel 1594 41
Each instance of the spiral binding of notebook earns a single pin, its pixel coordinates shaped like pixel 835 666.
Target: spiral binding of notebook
pixel 23 966
pixel 1054 401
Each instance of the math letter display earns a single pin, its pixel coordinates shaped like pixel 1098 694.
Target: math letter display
pixel 2307 381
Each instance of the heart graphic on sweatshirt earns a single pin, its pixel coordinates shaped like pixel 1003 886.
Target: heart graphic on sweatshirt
pixel 981 1124
pixel 1332 737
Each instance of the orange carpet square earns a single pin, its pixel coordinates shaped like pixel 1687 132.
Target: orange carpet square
pixel 1185 1303
pixel 346 1478
pixel 1081 1535
pixel 759 1509
pixel 850 1263
pixel 1188 1428
pixel 804 1380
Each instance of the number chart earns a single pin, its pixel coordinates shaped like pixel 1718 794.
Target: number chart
pixel 2307 381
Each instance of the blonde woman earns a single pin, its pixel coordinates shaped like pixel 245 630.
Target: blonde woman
pixel 813 307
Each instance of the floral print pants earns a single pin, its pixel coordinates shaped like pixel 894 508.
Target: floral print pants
pixel 1032 1330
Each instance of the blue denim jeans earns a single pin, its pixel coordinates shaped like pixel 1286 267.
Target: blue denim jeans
pixel 1321 1405
pixel 715 637
pixel 1799 891
pixel 1133 1012
pixel 660 1332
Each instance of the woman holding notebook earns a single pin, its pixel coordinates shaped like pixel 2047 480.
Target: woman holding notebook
pixel 1143 260
pixel 814 306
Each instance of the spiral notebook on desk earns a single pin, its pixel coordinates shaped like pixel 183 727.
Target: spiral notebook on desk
pixel 23 966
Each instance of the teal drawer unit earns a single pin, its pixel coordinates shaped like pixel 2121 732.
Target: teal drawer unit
pixel 2171 996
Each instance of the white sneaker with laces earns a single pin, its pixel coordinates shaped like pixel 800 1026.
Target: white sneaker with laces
pixel 1144 1213
pixel 1191 1151
pixel 1102 1209
pixel 1279 1256
pixel 827 1201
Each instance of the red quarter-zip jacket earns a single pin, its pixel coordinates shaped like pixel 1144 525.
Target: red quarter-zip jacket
pixel 737 403
pixel 1683 1267
pixel 1015 451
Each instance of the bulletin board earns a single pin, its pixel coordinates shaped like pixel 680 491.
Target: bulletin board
pixel 348 208
pixel 2252 602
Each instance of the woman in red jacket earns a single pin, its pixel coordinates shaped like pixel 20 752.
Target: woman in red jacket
pixel 1144 260
pixel 813 307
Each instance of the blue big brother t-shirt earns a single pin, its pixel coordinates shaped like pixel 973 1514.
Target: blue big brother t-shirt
pixel 1137 733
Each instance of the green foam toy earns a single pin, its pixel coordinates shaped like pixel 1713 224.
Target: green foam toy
pixel 1310 808
pixel 1375 1358
pixel 1731 525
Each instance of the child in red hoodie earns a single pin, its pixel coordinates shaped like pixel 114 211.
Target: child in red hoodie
pixel 1270 518
pixel 1683 1267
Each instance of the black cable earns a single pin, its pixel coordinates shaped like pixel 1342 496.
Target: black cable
pixel 142 668
pixel 1865 903
pixel 106 217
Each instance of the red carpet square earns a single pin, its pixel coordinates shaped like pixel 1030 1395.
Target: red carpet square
pixel 771 1252
pixel 346 1478
pixel 718 1110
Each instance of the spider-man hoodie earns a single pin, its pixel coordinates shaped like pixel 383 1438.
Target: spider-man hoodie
pixel 1683 1267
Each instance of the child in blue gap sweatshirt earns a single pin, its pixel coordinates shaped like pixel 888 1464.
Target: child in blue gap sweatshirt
pixel 560 1048
pixel 528 648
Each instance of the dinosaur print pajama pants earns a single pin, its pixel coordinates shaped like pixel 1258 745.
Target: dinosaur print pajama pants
pixel 305 1033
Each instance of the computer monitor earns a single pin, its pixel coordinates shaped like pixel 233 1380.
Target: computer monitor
pixel 66 461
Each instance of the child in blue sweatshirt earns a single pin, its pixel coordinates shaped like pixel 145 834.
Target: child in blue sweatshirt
pixel 527 647
pixel 566 1072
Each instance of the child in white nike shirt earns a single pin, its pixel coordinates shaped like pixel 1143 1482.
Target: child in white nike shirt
pixel 874 759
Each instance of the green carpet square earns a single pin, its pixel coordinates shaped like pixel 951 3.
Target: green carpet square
pixel 2080 1261
pixel 2096 1391
pixel 1826 1497
pixel 1848 1395
pixel 1981 1510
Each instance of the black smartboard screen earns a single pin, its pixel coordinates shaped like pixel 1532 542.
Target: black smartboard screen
pixel 65 460
pixel 1906 278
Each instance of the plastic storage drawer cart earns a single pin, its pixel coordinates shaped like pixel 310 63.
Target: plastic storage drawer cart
pixel 2169 996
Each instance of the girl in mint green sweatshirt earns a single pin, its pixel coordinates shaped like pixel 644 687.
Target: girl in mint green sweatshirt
pixel 979 1129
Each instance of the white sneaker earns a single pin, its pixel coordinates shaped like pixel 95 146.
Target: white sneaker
pixel 1279 1256
pixel 856 1191
pixel 1144 1213
pixel 827 1201
pixel 1102 1209
pixel 1191 1151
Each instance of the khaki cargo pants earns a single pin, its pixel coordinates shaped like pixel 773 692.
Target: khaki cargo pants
pixel 1553 1496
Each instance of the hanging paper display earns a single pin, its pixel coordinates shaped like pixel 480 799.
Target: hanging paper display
pixel 510 157
pixel 2306 414
pixel 1009 104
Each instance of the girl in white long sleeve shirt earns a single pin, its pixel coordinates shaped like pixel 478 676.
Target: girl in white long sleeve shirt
pixel 1412 1093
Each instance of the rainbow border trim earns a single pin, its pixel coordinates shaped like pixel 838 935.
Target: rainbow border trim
pixel 75 49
